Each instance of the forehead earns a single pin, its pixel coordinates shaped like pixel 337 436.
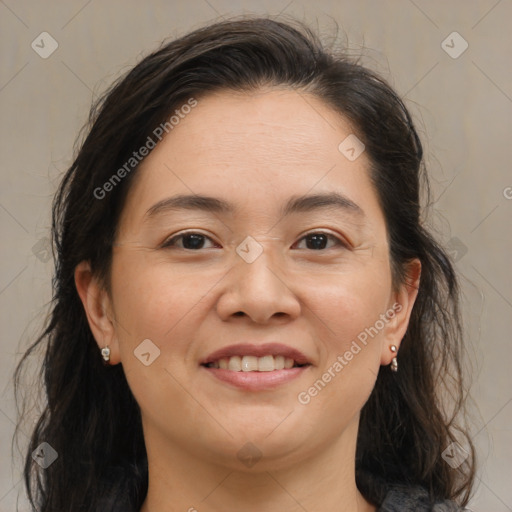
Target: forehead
pixel 253 148
pixel 281 124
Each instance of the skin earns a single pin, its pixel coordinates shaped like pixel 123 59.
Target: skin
pixel 255 150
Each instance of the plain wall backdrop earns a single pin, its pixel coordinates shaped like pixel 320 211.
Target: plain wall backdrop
pixel 460 97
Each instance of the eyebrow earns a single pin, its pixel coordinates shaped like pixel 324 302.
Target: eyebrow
pixel 333 201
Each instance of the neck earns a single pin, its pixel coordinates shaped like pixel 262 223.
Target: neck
pixel 323 481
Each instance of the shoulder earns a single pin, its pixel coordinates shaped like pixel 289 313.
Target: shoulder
pixel 414 499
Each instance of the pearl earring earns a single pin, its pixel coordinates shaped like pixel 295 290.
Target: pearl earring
pixel 105 352
pixel 394 362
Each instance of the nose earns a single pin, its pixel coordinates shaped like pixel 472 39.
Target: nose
pixel 260 290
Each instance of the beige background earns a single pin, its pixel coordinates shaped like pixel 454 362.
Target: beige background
pixel 462 106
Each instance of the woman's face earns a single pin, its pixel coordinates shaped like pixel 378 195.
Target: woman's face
pixel 250 240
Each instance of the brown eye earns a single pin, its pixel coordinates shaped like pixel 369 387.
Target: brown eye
pixel 318 241
pixel 189 241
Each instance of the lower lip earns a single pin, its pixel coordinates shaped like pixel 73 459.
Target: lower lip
pixel 257 381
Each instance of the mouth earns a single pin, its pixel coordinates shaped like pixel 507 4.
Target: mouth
pixel 256 367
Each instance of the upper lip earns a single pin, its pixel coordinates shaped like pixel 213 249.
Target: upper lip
pixel 248 349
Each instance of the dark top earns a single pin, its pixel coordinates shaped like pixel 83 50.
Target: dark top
pixel 414 499
pixel 398 498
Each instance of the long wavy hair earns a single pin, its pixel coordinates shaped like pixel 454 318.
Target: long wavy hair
pixel 90 417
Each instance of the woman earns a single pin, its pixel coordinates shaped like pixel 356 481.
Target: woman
pixel 248 311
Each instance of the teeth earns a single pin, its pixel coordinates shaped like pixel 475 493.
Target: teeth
pixel 249 364
pixel 252 363
pixel 279 362
pixel 266 364
pixel 235 364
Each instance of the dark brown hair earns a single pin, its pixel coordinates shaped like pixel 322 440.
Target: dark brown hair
pixel 91 417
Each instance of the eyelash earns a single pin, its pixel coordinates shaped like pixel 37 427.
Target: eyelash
pixel 170 243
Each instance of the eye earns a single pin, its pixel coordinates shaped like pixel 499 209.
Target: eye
pixel 189 241
pixel 194 241
pixel 318 240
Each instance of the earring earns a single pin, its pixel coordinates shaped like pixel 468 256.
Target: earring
pixel 394 362
pixel 105 352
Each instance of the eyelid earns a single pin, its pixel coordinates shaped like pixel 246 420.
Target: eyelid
pixel 168 241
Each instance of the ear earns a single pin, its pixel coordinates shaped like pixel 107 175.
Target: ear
pixel 401 304
pixel 98 308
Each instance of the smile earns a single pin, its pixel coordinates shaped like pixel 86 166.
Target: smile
pixel 254 367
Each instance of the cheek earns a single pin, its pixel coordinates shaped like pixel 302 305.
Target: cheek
pixel 348 303
pixel 351 352
pixel 152 293
pixel 156 300
pixel 349 307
